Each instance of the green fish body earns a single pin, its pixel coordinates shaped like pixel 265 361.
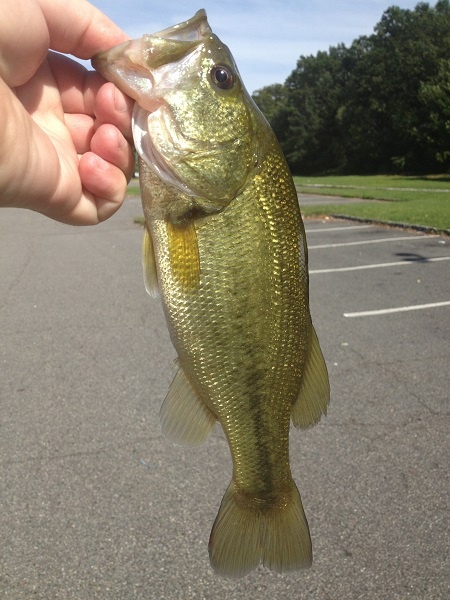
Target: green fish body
pixel 225 246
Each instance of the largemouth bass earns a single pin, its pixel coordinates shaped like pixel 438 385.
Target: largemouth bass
pixel 225 246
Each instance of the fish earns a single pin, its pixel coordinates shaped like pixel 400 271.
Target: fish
pixel 225 247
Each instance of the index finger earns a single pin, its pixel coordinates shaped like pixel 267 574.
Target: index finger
pixel 79 28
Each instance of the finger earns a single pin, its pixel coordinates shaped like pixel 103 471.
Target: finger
pixel 22 52
pixel 78 28
pixel 113 106
pixel 40 97
pixel 77 86
pixel 82 130
pixel 84 91
pixel 109 143
pixel 104 187
pixel 30 153
pixel 106 141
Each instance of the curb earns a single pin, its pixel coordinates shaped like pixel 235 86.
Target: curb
pixel 421 228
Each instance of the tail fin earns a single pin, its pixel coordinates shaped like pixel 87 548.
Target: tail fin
pixel 245 534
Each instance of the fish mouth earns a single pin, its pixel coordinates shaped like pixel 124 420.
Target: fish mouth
pixel 131 65
pixel 136 67
pixel 193 29
pixel 144 70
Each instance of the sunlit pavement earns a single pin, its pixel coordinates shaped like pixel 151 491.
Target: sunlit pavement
pixel 94 503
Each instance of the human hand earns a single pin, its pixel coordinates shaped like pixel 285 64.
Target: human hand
pixel 65 133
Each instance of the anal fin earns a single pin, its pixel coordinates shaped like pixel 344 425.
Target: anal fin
pixel 314 396
pixel 185 419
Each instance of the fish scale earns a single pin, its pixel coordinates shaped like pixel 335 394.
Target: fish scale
pixel 225 246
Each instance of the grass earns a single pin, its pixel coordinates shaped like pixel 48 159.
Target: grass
pixel 432 213
pixel 133 190
pixel 433 182
pixel 421 201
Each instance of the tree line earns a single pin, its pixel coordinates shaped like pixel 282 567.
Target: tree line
pixel 380 105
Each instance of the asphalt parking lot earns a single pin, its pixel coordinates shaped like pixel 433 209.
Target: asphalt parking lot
pixel 95 504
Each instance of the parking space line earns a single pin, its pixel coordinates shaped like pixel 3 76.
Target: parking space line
pixel 401 263
pixel 344 228
pixel 387 311
pixel 378 241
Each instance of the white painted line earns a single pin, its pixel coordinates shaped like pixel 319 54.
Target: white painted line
pixel 388 311
pixel 378 241
pixel 344 228
pixel 402 263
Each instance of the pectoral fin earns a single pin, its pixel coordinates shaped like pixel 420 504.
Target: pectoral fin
pixel 185 419
pixel 314 397
pixel 149 265
pixel 184 255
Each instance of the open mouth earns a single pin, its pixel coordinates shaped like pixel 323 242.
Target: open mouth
pixel 131 65
pixel 137 67
pixel 192 30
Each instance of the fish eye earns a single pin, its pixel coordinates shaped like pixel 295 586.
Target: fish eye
pixel 222 77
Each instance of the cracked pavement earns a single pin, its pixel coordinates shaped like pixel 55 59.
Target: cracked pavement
pixel 95 504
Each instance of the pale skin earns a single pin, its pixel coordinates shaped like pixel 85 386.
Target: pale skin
pixel 65 133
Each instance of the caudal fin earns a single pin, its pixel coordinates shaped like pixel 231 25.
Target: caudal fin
pixel 244 534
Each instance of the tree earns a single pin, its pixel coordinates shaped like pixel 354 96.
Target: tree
pixel 380 105
pixel 435 98
pixel 271 100
pixel 403 56
pixel 315 91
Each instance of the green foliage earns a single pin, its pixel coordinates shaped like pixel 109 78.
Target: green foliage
pixel 270 99
pixel 272 102
pixel 381 105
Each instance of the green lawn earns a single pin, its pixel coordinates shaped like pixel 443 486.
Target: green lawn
pixel 133 188
pixel 421 201
pixel 433 182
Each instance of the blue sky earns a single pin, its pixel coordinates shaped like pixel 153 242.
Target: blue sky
pixel 266 37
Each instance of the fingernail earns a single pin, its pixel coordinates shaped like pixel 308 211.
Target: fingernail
pixel 119 101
